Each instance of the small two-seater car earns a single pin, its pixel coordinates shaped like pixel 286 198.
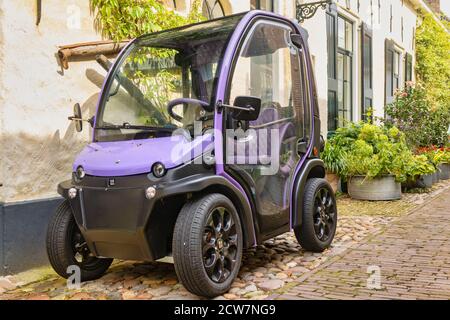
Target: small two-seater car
pixel 206 142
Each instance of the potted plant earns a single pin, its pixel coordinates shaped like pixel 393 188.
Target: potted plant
pixel 333 157
pixel 376 165
pixel 335 154
pixel 441 159
pixel 420 172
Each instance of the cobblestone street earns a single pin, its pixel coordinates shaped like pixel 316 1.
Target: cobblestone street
pixel 409 240
pixel 412 254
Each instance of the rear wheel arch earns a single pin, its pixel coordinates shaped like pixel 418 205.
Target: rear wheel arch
pixel 313 168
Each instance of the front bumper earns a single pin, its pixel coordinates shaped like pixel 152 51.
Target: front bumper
pixel 113 218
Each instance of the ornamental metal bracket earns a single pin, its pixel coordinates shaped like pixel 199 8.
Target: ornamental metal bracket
pixel 308 10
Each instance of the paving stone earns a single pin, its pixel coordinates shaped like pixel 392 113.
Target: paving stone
pixel 401 251
pixel 270 285
pixel 412 251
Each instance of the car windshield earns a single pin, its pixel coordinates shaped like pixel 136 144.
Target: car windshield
pixel 157 69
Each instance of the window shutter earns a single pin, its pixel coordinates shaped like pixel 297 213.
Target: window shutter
pixel 366 69
pixel 332 44
pixel 389 65
pixel 408 67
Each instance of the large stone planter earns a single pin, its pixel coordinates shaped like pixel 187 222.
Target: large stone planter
pixel 444 171
pixel 425 181
pixel 379 189
pixel 436 177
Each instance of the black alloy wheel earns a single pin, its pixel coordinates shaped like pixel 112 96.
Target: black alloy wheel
pixel 219 245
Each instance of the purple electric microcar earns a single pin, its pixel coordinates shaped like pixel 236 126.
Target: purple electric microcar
pixel 206 142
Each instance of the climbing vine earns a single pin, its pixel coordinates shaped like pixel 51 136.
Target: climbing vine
pixel 126 19
pixel 433 61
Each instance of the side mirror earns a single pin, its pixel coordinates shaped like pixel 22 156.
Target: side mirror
pixel 246 108
pixel 77 118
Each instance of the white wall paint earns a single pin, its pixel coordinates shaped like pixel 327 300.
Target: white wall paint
pixel 38 144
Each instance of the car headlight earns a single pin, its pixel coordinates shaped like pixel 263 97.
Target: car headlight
pixel 159 170
pixel 80 174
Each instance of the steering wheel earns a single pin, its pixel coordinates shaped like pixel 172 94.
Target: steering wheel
pixel 179 101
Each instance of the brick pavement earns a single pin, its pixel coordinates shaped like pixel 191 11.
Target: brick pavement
pixel 412 253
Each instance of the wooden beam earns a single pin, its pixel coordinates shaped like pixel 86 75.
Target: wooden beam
pixel 89 50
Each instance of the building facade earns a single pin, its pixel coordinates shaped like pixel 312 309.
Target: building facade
pixel 362 50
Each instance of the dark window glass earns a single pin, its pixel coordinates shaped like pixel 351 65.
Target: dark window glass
pixel 332 115
pixel 331 46
pixel 367 62
pixel 262 5
pixel 408 67
pixel 344 70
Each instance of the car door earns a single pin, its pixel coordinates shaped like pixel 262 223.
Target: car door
pixel 263 153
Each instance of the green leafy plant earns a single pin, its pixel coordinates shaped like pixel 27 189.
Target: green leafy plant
pixel 412 113
pixel 432 60
pixel 435 155
pixel 372 151
pixel 127 19
pixel 441 157
pixel 419 165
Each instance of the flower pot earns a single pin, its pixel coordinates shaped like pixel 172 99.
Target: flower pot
pixel 436 177
pixel 333 180
pixel 425 181
pixel 377 189
pixel 444 171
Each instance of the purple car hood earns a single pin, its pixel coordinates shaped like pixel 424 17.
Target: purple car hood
pixel 123 158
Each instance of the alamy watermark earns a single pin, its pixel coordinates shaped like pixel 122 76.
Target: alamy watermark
pixel 251 147
pixel 74 279
pixel 374 279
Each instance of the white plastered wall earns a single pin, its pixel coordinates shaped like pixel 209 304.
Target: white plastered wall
pixel 38 144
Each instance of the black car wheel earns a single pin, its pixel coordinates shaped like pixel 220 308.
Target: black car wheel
pixel 207 245
pixel 319 216
pixel 66 247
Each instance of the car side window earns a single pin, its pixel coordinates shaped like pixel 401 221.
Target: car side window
pixel 268 67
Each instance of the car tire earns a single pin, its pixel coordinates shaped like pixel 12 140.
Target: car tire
pixel 207 245
pixel 66 247
pixel 319 218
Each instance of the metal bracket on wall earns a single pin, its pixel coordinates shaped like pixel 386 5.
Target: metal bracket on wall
pixel 38 11
pixel 308 10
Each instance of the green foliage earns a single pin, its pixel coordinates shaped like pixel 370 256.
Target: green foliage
pixel 127 19
pixel 372 151
pixel 438 156
pixel 419 165
pixel 337 148
pixel 412 113
pixel 433 61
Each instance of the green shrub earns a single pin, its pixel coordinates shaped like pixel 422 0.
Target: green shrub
pixel 419 165
pixel 433 62
pixel 127 19
pixel 373 151
pixel 413 114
